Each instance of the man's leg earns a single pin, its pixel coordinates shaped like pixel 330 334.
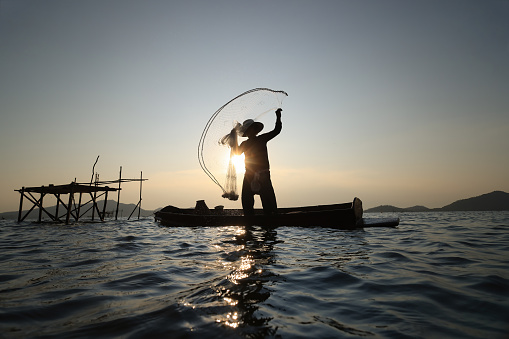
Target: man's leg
pixel 267 194
pixel 247 197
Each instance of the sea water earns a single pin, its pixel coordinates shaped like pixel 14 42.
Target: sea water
pixel 437 275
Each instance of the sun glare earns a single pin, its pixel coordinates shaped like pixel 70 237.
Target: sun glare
pixel 238 161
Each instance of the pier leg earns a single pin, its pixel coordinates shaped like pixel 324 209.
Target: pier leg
pixel 94 206
pixel 58 203
pixel 22 195
pixel 118 195
pixel 141 182
pixel 104 206
pixel 40 208
pixel 79 207
pixel 69 205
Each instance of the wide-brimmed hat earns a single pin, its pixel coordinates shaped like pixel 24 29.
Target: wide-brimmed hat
pixel 249 125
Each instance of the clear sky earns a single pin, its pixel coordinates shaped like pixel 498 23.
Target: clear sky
pixel 396 102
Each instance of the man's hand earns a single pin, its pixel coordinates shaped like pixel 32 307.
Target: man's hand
pixel 278 112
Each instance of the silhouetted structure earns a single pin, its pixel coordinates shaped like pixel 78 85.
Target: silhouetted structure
pixel 74 209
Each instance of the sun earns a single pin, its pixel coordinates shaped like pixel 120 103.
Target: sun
pixel 238 161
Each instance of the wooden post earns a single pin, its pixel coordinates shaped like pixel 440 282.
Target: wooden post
pixel 71 194
pixel 104 207
pixel 61 203
pixel 22 195
pixel 32 199
pixel 58 203
pixel 95 205
pixel 40 208
pixel 134 210
pixel 118 195
pixel 95 196
pixel 79 207
pixel 141 182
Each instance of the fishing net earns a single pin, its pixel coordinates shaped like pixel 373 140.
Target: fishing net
pixel 224 128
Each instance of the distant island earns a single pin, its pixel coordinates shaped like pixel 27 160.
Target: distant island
pixel 494 201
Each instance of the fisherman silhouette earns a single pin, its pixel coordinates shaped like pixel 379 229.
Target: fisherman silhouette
pixel 257 175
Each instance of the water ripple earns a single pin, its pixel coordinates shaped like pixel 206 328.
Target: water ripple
pixel 436 275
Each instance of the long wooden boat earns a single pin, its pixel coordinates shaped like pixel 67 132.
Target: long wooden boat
pixel 340 216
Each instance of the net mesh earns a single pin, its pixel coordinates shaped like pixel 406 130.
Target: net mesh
pixel 214 151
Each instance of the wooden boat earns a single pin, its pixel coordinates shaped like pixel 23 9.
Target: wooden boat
pixel 340 216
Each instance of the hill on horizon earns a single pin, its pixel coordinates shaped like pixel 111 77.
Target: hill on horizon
pixel 494 201
pixel 390 208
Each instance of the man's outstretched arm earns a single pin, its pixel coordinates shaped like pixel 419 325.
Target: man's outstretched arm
pixel 277 128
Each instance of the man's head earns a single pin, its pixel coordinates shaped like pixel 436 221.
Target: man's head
pixel 251 128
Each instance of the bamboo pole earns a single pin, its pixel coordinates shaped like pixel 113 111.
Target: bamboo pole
pixel 95 206
pixel 135 207
pixel 58 203
pixel 79 207
pixel 22 195
pixel 118 195
pixel 61 203
pixel 71 194
pixel 141 182
pixel 32 199
pixel 104 206
pixel 40 208
pixel 36 203
pixel 95 196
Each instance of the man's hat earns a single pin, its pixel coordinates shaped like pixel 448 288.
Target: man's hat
pixel 250 124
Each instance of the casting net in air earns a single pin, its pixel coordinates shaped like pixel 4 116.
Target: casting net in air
pixel 214 151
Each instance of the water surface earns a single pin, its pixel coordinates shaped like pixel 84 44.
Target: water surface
pixel 436 275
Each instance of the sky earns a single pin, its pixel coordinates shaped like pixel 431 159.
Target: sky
pixel 396 102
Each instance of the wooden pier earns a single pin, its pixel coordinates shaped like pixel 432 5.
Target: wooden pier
pixel 66 202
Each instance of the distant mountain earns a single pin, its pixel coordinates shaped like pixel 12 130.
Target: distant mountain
pixel 384 209
pixel 417 208
pixel 124 210
pixel 494 201
pixel 389 208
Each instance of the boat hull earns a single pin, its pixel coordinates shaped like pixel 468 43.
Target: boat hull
pixel 341 216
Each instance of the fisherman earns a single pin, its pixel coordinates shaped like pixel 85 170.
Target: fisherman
pixel 257 175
